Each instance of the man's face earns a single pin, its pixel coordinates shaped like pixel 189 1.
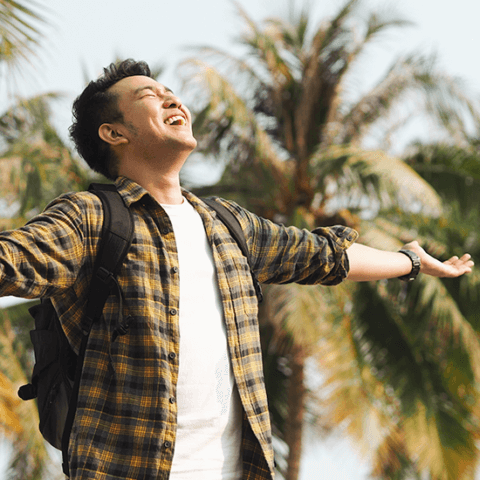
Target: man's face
pixel 154 116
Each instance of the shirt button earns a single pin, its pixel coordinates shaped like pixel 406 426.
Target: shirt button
pixel 165 230
pixel 172 399
pixel 175 270
pixel 167 444
pixel 172 355
pixel 173 311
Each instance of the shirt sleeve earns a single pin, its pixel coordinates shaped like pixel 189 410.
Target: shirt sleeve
pixel 43 257
pixel 282 254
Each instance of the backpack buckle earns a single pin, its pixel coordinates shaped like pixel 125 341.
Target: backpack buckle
pixel 104 275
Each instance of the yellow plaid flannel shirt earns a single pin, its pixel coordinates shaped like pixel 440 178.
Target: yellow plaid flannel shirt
pixel 126 415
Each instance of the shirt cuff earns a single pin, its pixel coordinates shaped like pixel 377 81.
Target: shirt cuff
pixel 340 238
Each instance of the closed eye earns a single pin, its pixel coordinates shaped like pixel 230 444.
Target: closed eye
pixel 150 91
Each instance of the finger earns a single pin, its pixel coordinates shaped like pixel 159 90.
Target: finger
pixel 463 265
pixel 464 260
pixel 459 266
pixel 469 265
pixel 452 260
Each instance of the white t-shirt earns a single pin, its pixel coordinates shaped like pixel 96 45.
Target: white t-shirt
pixel 209 420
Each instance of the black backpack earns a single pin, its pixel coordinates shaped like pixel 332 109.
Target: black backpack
pixel 57 370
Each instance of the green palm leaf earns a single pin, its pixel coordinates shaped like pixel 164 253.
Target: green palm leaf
pixel 427 354
pixel 21 31
pixel 34 159
pixel 454 171
pixel 348 177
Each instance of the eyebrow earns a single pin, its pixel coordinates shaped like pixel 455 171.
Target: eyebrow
pixel 150 87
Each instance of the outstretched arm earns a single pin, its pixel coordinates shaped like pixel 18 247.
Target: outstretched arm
pixel 368 263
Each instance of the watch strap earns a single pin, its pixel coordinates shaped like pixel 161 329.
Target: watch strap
pixel 416 264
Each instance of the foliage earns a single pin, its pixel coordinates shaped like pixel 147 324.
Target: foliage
pixel 35 166
pixel 453 170
pixel 289 134
pixel 31 458
pixel 34 159
pixel 21 33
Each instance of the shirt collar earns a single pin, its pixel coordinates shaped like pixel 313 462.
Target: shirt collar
pixel 130 191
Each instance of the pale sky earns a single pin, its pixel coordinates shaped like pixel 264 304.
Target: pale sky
pixel 91 33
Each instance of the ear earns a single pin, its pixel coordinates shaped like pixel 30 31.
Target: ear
pixel 112 134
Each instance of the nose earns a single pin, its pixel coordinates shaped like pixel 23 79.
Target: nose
pixel 171 101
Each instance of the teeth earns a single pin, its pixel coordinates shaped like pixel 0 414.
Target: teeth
pixel 176 120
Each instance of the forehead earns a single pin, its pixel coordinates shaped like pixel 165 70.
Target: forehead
pixel 133 86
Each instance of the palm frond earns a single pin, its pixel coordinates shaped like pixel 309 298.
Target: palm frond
pixel 446 457
pixel 28 119
pixel 234 65
pixel 451 233
pixel 378 22
pixel 370 180
pixel 9 421
pixel 298 312
pixel 452 170
pixel 263 44
pixel 21 32
pixel 227 122
pixel 327 61
pixel 433 399
pixel 402 357
pixel 293 31
pixel 443 96
pixel 392 461
pixel 448 101
pixel 34 158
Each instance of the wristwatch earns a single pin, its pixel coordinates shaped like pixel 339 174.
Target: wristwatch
pixel 416 263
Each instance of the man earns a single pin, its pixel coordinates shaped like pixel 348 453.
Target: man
pixel 181 394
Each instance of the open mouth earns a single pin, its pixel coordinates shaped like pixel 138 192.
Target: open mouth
pixel 175 120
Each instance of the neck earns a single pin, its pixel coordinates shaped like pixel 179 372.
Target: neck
pixel 165 189
pixel 161 178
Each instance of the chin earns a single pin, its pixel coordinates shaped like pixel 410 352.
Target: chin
pixel 184 143
pixel 192 143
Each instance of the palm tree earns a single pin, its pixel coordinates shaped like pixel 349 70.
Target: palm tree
pixel 291 146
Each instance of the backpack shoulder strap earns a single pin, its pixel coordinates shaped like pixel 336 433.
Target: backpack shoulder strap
pixel 117 233
pixel 117 236
pixel 235 229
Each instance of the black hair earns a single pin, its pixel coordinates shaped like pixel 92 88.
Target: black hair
pixel 95 106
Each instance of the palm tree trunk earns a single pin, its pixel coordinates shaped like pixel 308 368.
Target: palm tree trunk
pixel 296 404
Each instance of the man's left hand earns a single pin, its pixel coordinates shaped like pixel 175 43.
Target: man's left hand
pixel 451 268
